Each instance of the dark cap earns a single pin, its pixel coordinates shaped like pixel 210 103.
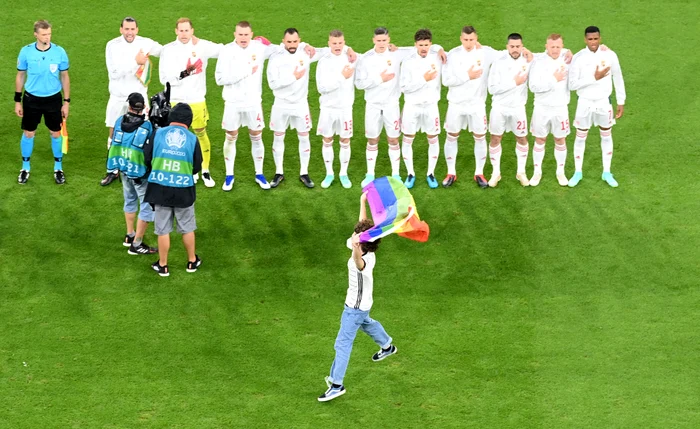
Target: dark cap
pixel 136 101
pixel 182 113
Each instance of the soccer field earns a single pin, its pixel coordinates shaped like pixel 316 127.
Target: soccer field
pixel 542 307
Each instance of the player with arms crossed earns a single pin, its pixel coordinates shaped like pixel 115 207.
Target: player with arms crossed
pixel 507 84
pixel 592 74
pixel 420 84
pixel 358 303
pixel 334 81
pixel 183 63
pixel 42 72
pixel 288 77
pixel 129 71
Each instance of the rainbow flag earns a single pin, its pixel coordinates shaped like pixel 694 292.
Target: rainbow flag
pixel 64 137
pixel 144 72
pixel 393 211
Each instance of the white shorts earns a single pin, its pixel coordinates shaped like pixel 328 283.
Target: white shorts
pixel 546 120
pixel 420 117
pixel 116 108
pixel 594 115
pixel 378 115
pixel 335 122
pixel 462 116
pixel 237 117
pixel 296 117
pixel 508 119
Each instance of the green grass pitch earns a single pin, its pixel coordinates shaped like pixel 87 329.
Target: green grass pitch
pixel 541 307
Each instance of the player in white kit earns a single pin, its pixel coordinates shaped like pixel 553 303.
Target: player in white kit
pixel 129 71
pixel 420 84
pixel 288 77
pixel 507 85
pixel 592 74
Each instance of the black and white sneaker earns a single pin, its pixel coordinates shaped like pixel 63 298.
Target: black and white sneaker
pixel 128 240
pixel 333 392
pixel 23 177
pixel 276 180
pixel 306 180
pixel 383 354
pixel 59 177
pixel 162 271
pixel 142 249
pixel 192 266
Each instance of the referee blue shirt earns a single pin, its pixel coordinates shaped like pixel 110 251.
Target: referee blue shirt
pixel 43 69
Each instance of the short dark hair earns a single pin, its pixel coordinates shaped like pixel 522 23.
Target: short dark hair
pixel 129 19
pixel 290 31
pixel 592 29
pixel 335 33
pixel 468 29
pixel 380 31
pixel 42 24
pixel 364 225
pixel 423 34
pixel 243 24
pixel 515 36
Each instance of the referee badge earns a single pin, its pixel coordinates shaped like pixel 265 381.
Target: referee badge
pixel 53 68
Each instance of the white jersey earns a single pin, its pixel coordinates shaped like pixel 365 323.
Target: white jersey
pixel 455 74
pixel 289 90
pixel 360 283
pixel 336 91
pixel 502 85
pixel 176 57
pixel 548 92
pixel 234 71
pixel 122 66
pixel 416 90
pixel 582 76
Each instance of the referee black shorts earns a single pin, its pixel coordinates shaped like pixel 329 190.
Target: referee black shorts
pixel 35 107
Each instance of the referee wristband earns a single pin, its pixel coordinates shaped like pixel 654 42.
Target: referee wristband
pixel 67 100
pixel 18 97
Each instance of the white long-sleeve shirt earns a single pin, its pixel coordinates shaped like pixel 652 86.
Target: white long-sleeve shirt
pixel 289 90
pixel 548 92
pixel 337 92
pixel 234 71
pixel 122 66
pixel 416 90
pixel 176 57
pixel 502 85
pixel 455 74
pixel 368 76
pixel 582 76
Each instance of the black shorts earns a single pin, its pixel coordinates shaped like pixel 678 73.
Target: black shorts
pixel 35 107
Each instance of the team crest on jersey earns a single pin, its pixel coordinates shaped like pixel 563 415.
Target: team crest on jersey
pixel 253 57
pixel 301 63
pixel 388 62
pixel 194 54
pixel 478 63
pixel 523 68
pixel 53 68
pixel 175 138
pixel 602 63
pixel 432 66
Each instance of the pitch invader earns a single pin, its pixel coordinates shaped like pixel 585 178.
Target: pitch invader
pixel 466 75
pixel 239 70
pixel 129 71
pixel 334 81
pixel 288 77
pixel 592 75
pixel 378 75
pixel 549 82
pixel 420 84
pixel 183 63
pixel 507 85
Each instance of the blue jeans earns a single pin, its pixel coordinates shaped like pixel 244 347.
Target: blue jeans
pixel 133 198
pixel 350 322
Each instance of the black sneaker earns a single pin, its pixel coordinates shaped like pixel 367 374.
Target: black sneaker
pixel 450 179
pixel 192 266
pixel 23 177
pixel 276 180
pixel 383 354
pixel 110 177
pixel 127 241
pixel 481 181
pixel 142 249
pixel 162 271
pixel 306 180
pixel 59 177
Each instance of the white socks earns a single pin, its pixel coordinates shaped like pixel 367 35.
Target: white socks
pixel 344 156
pixel 395 158
pixel 521 151
pixel 579 149
pixel 278 153
pixel 560 156
pixel 407 150
pixel 538 156
pixel 229 154
pixel 451 149
pixel 433 154
pixel 606 145
pixel 304 154
pixel 371 156
pixel 480 154
pixel 328 156
pixel 257 150
pixel 495 153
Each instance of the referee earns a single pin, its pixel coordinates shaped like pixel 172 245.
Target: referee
pixel 42 70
